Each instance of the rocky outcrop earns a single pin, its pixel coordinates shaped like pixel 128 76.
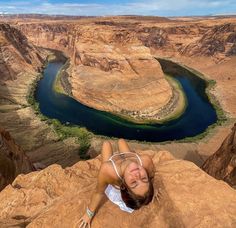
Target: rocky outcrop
pixel 56 197
pixel 217 40
pixel 15 53
pixel 153 37
pixel 222 164
pixel 20 63
pixel 111 68
pixel 13 160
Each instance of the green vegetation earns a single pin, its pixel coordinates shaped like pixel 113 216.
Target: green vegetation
pixel 82 134
pixel 221 116
pixel 63 131
pixel 182 101
pixel 57 86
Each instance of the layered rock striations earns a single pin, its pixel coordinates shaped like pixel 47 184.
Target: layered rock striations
pixel 56 197
pixel 113 65
pixel 222 164
pixel 107 48
pixel 20 63
pixel 13 160
pixel 16 53
pixel 111 68
pixel 217 40
pixel 116 73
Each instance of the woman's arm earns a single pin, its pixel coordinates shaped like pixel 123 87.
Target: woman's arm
pixel 102 181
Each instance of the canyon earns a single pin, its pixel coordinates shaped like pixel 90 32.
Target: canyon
pixel 114 67
pixel 89 42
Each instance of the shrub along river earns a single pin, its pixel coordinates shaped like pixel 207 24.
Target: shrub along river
pixel 199 113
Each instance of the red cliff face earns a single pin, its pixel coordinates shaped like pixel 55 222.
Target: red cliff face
pixel 13 160
pixel 16 53
pixel 218 39
pixel 222 164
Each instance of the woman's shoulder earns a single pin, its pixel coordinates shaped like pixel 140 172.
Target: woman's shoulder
pixel 106 170
pixel 148 164
pixel 146 159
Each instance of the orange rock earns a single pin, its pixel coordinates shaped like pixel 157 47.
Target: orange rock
pixel 56 197
pixel 13 160
pixel 222 164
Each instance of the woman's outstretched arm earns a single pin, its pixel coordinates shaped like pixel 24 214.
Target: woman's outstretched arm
pixel 97 197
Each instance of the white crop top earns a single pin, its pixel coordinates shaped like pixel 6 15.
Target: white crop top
pixel 124 156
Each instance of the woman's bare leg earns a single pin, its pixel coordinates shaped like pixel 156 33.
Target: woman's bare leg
pixel 123 146
pixel 106 151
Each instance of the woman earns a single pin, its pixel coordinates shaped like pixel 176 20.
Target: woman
pixel 127 171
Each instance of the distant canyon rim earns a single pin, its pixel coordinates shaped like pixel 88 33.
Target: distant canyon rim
pixel 113 67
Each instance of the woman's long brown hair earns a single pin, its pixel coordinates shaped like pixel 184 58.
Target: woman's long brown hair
pixel 135 201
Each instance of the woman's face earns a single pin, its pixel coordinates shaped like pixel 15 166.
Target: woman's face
pixel 136 178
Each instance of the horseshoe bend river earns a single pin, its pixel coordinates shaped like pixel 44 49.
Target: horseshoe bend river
pixel 199 113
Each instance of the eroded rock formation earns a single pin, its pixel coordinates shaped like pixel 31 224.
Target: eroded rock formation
pixel 13 160
pixel 113 67
pixel 222 164
pixel 218 39
pixel 151 37
pixel 20 63
pixel 56 197
pixel 16 53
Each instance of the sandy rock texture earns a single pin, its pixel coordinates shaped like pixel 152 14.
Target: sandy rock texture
pixel 56 197
pixel 222 164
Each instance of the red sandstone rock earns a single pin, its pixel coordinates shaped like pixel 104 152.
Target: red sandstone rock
pixel 16 53
pixel 56 197
pixel 13 160
pixel 222 164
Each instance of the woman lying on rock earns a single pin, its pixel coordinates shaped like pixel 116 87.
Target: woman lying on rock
pixel 125 177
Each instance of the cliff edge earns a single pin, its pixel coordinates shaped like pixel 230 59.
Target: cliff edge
pixel 222 164
pixel 13 160
pixel 56 197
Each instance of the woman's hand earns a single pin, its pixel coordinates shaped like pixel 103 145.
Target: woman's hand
pixel 84 222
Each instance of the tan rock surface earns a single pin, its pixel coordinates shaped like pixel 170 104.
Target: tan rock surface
pixel 56 197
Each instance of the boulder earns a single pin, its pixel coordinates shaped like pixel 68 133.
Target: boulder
pixel 56 197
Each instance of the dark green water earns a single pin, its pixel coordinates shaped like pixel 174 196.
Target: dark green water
pixel 198 115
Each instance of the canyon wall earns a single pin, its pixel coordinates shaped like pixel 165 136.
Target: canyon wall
pixel 222 164
pixel 13 160
pixel 16 53
pixel 20 66
pixel 113 66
